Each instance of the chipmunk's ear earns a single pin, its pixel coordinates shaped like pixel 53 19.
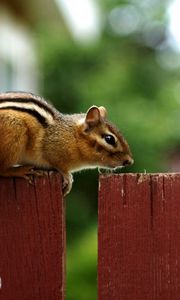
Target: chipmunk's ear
pixel 103 112
pixel 93 116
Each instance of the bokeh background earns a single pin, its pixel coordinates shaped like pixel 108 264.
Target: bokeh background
pixel 123 55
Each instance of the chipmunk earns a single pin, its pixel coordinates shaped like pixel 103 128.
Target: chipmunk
pixel 34 135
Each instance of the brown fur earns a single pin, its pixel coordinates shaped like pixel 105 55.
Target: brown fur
pixel 70 143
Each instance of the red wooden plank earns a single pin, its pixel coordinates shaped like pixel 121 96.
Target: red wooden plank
pixel 138 233
pixel 166 236
pixel 32 239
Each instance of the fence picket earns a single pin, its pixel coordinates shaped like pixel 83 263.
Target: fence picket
pixel 32 239
pixel 139 237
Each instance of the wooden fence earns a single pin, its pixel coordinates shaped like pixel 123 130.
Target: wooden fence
pixel 138 238
pixel 32 239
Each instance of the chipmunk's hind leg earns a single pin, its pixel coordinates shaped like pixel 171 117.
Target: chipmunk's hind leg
pixel 13 139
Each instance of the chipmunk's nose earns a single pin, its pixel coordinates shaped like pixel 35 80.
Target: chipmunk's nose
pixel 128 162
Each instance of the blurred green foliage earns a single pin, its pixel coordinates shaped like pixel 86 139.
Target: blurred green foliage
pixel 125 74
pixel 81 267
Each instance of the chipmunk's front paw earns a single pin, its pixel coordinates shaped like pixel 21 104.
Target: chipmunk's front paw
pixel 30 172
pixel 67 183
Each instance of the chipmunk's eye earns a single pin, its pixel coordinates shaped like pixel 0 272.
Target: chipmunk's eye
pixel 109 139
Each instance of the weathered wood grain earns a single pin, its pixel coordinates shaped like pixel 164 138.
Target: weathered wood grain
pixel 139 237
pixel 32 239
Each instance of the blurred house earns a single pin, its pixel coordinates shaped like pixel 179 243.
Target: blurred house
pixel 18 55
pixel 18 22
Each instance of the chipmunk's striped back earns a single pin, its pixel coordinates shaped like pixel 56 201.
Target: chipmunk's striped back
pixel 29 103
pixel 36 136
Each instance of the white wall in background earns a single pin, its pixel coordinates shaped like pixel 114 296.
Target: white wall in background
pixel 83 18
pixel 18 64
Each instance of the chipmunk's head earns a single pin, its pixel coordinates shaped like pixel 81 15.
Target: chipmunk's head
pixel 107 146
